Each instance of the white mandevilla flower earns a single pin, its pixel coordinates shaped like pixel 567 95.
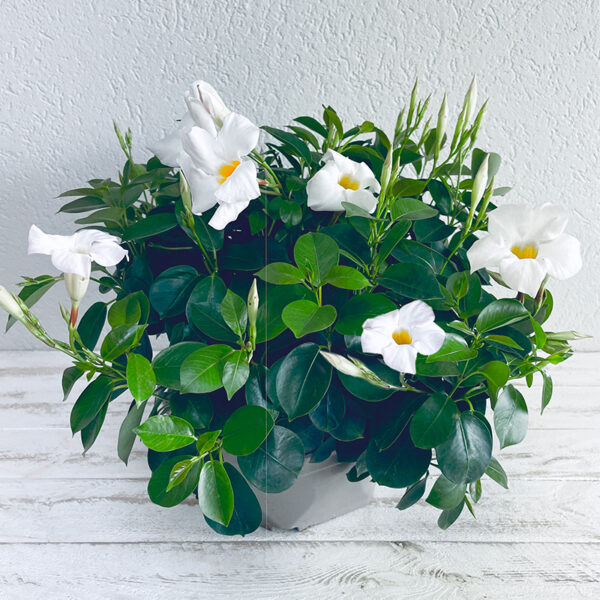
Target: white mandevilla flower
pixel 218 171
pixel 342 180
pixel 524 245
pixel 74 254
pixel 401 334
pixel 206 110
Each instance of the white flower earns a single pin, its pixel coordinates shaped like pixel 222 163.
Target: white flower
pixel 73 255
pixel 400 334
pixel 205 110
pixel 342 180
pixel 218 171
pixel 524 245
pixel 9 304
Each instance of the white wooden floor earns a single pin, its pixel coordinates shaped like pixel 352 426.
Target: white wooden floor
pixel 83 527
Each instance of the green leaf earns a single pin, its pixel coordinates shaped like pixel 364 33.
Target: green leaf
pixel 235 372
pixel 302 380
pixel 449 516
pixel 215 493
pixel 90 402
pixel 170 290
pixel 234 313
pixel 167 363
pixel 500 313
pixel 411 280
pixel 121 339
pixel 280 274
pixel 304 317
pixel 126 432
pixel 510 417
pixel 454 348
pixel 203 309
pixel 180 471
pixel 152 225
pixel 90 432
pixel 446 494
pixel 206 441
pixel 91 324
pixel 69 377
pixel 85 204
pixel 164 433
pixel 131 310
pixel 496 373
pixel 247 514
pixel 413 494
pixel 300 148
pixel 315 254
pixel 330 412
pixel 157 486
pixel 409 187
pixel 393 237
pixel 360 308
pixel 466 454
pixel 433 421
pixel 269 323
pixel 546 390
pixel 497 473
pixel 196 409
pixel 312 124
pixel 346 278
pixel 401 465
pixel 141 379
pixel 202 371
pixel 275 466
pixel 504 340
pixel 32 292
pixel 412 209
pixel 246 429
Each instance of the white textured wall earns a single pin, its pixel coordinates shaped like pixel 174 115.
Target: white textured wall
pixel 69 67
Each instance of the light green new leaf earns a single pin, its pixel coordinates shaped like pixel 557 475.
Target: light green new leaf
pixel 164 433
pixel 304 317
pixel 234 312
pixel 346 278
pixel 280 274
pixel 202 371
pixel 141 379
pixel 235 372
pixel 215 493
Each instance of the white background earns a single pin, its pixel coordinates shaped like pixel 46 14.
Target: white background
pixel 68 68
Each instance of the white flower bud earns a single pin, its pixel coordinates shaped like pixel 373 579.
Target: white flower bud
pixel 471 100
pixel 253 301
pixel 343 365
pixel 441 126
pixel 479 183
pixel 76 287
pixel 10 305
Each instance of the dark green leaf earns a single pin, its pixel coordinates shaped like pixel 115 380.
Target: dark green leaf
pixel 412 209
pixel 500 313
pixel 315 254
pixel 121 339
pixel 152 225
pixel 411 280
pixel 126 432
pixel 546 390
pixel 304 317
pixel 171 289
pixel 497 473
pixel 215 493
pixel 433 421
pixel 454 349
pixel 90 402
pixel 413 494
pixel 157 486
pixel 360 308
pixel 167 363
pixel 445 494
pixel 449 516
pixel 510 417
pixel 202 371
pixel 246 429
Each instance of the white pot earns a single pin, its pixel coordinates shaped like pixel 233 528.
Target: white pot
pixel 320 493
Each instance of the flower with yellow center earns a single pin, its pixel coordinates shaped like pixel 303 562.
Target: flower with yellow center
pixel 401 334
pixel 525 245
pixel 218 171
pixel 342 180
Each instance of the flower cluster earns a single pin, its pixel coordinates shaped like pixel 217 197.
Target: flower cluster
pixel 324 294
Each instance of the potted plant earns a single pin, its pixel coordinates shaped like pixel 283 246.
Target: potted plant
pixel 326 299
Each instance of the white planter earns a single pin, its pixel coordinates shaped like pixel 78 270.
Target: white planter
pixel 321 492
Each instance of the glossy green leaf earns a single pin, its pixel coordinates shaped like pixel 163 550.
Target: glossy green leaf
pixel 500 313
pixel 120 340
pixel 164 433
pixel 141 379
pixel 433 421
pixel 315 254
pixel 280 274
pixel 91 324
pixel 412 494
pixel 157 486
pixel 497 473
pixel 234 313
pixel 202 371
pixel 446 494
pixel 358 309
pixel 546 390
pixel 215 493
pixel 235 372
pixel 275 466
pixel 131 310
pixel 90 402
pixel 412 209
pixel 171 289
pixel 180 471
pixel 126 432
pixel 167 363
pixel 510 417
pixel 454 349
pixel 448 517
pixel 466 454
pixel 153 224
pixel 246 429
pixel 346 278
pixel 304 317
pixel 302 380
pixel 411 280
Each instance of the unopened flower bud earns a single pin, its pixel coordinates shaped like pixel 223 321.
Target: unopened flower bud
pixel 10 305
pixel 441 126
pixel 253 301
pixel 471 100
pixel 480 182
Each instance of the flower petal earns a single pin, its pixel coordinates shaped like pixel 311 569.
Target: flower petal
pixel 169 149
pixel 44 243
pixel 427 339
pixel 240 186
pixel 238 137
pixel 401 358
pixel 561 256
pixel 414 314
pixel 487 252
pixel 200 116
pixel 361 198
pixel 202 187
pixel 226 213
pixel 72 262
pixel 323 192
pixel 512 222
pixel 550 222
pixel 522 274
pixel 210 100
pixel 366 178
pixel 107 254
pixel 203 149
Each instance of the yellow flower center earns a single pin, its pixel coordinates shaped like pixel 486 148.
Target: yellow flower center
pixel 348 183
pixel 226 170
pixel 402 337
pixel 529 251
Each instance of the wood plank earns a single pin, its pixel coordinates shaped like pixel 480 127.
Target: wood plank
pixel 301 571
pixel 82 511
